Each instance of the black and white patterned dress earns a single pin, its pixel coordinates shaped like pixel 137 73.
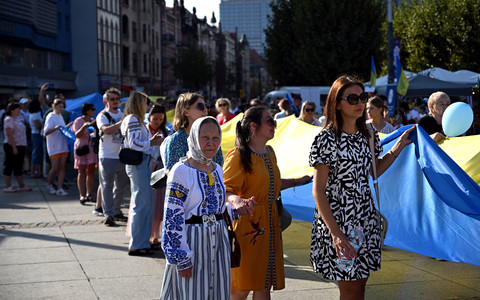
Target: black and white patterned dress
pixel 347 190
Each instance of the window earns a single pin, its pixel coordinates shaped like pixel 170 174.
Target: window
pixel 144 33
pixel 125 26
pixel 125 2
pixel 134 62
pixel 126 58
pixel 134 31
pixel 144 63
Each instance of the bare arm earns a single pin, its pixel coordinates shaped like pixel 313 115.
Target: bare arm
pixel 320 176
pixel 291 182
pixel 387 160
pixel 48 132
pixel 41 96
pixel 111 129
pixel 11 141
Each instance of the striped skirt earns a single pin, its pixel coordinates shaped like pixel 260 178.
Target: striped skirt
pixel 211 266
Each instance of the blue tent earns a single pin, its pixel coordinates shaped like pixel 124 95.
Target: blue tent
pixel 432 205
pixel 74 106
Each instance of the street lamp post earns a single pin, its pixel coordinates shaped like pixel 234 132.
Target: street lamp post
pixel 390 43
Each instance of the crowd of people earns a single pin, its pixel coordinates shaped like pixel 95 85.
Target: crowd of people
pixel 186 217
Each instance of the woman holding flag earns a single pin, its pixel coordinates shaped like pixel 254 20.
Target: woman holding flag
pixel 342 161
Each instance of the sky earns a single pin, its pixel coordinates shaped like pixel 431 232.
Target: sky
pixel 204 8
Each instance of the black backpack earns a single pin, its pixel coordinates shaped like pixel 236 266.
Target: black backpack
pixel 98 133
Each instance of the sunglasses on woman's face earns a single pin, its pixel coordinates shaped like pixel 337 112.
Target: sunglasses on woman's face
pixel 222 104
pixel 201 106
pixel 309 109
pixel 353 99
pixel 271 122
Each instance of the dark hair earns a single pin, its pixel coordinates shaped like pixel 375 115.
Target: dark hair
pixel 112 90
pixel 378 103
pixel 57 102
pixel 183 103
pixel 86 107
pixel 11 106
pixel 244 133
pixel 34 106
pixel 160 109
pixel 333 115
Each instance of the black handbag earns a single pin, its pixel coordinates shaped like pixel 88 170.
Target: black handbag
pixel 158 179
pixel 235 254
pixel 285 216
pixel 82 151
pixel 130 157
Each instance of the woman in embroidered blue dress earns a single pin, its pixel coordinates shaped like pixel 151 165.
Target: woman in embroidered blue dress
pixel 190 106
pixel 194 237
pixel 342 160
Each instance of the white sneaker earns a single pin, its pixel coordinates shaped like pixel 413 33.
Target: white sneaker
pixel 51 189
pixel 61 192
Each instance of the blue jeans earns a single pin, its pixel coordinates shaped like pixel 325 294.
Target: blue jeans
pixel 142 211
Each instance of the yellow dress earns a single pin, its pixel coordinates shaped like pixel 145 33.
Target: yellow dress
pixel 260 235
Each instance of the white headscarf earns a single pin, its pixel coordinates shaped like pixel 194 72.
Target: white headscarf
pixel 194 150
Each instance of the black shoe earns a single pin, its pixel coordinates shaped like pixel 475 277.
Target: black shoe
pixel 98 211
pixel 120 217
pixel 109 221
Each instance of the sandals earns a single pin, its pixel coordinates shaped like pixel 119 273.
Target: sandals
pixel 90 199
pixel 25 188
pixel 10 189
pixel 83 200
pixel 140 252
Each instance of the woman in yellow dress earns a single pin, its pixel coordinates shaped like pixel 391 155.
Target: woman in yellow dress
pixel 253 183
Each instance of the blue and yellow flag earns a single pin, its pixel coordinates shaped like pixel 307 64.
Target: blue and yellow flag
pixel 402 81
pixel 373 74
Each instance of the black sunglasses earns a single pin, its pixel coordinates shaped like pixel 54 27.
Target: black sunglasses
pixel 271 122
pixel 222 104
pixel 309 109
pixel 352 99
pixel 202 106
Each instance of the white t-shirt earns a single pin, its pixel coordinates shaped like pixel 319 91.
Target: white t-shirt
pixel 109 143
pixel 56 141
pixel 24 117
pixel 32 118
pixel 413 114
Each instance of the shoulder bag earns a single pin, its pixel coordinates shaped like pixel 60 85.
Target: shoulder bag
pixel 381 219
pixel 235 254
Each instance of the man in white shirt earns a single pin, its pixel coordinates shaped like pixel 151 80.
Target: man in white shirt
pixel 113 178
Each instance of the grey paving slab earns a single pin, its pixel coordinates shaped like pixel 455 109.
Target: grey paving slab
pixel 31 238
pixel 41 272
pixel 310 294
pixel 74 289
pixel 128 266
pixel 435 290
pixel 138 287
pixel 99 252
pixel 36 255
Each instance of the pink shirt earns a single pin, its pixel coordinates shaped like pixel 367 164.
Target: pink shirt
pixel 19 131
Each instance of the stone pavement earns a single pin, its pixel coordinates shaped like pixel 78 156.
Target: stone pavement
pixel 51 247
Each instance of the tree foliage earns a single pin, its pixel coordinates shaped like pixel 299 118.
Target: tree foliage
pixel 439 33
pixel 192 68
pixel 311 42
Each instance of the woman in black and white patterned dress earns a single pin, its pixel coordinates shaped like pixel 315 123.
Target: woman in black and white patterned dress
pixel 342 160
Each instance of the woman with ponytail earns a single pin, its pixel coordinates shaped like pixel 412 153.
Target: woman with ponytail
pixel 253 183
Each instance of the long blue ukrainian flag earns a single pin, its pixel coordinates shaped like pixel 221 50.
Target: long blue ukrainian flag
pixel 432 205
pixel 373 74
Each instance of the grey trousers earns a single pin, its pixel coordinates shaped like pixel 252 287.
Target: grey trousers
pixel 113 180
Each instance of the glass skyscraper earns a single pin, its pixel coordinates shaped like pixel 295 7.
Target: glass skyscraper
pixel 249 16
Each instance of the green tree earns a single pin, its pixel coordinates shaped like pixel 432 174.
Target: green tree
pixel 311 42
pixel 439 33
pixel 192 68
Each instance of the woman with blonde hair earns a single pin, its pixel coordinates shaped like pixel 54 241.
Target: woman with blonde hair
pixel 190 106
pixel 223 108
pixel 376 111
pixel 136 137
pixel 307 114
